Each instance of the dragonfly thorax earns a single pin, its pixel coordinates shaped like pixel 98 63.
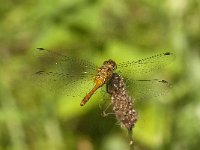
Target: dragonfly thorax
pixel 105 72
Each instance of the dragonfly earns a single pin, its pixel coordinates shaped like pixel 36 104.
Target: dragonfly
pixel 73 75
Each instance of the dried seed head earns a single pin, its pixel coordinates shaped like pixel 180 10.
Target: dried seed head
pixel 121 101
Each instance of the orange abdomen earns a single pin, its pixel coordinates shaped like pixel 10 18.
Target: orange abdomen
pixel 88 96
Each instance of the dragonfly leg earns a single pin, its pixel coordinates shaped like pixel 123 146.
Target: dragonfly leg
pixel 104 113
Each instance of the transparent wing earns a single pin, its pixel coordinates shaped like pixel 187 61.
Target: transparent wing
pixel 142 66
pixel 50 60
pixel 62 74
pixel 64 83
pixel 147 89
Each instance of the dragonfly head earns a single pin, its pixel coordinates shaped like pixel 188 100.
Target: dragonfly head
pixel 110 64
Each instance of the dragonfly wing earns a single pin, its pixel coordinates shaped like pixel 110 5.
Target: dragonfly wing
pixel 63 74
pixel 147 89
pixel 64 83
pixel 146 65
pixel 50 60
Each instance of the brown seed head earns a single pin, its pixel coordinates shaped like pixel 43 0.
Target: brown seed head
pixel 121 101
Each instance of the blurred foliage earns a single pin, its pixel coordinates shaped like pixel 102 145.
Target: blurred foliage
pixel 97 30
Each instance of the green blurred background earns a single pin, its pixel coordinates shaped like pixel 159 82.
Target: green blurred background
pixel 96 30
